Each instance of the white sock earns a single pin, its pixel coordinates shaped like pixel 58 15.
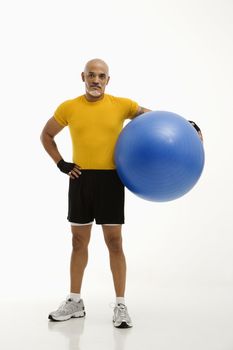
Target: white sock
pixel 120 300
pixel 75 296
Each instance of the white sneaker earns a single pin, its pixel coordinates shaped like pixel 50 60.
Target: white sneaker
pixel 121 317
pixel 68 309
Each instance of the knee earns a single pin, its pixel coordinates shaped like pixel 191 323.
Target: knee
pixel 78 243
pixel 114 244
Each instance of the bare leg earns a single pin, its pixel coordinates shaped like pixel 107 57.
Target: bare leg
pixel 113 239
pixel 79 256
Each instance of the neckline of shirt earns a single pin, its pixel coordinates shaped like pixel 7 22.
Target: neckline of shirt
pixel 92 102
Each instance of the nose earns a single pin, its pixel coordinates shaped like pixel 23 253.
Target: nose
pixel 96 80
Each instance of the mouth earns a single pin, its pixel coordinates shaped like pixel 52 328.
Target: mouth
pixel 95 87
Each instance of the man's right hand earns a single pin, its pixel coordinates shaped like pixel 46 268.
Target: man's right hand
pixel 71 169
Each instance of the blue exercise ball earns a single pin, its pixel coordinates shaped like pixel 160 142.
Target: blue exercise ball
pixel 159 156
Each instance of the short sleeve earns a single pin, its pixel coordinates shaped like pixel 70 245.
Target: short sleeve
pixel 130 107
pixel 60 114
pixel 133 109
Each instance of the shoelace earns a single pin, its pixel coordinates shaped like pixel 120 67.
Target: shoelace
pixel 121 308
pixel 63 304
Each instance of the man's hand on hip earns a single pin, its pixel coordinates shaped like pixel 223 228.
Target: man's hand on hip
pixel 71 169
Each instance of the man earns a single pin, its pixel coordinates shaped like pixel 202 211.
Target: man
pixel 95 120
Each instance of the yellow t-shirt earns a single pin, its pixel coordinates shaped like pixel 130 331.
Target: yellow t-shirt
pixel 95 127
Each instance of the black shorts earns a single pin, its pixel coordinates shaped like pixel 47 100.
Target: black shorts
pixel 96 194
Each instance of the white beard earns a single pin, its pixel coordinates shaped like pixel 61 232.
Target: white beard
pixel 94 93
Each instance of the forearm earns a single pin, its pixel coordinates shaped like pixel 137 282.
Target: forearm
pixel 142 110
pixel 50 147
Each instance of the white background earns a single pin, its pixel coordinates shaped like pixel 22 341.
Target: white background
pixel 166 55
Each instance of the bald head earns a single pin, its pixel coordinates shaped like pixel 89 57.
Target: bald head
pixel 96 62
pixel 96 78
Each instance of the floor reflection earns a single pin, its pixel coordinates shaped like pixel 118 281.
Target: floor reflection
pixel 120 336
pixel 72 330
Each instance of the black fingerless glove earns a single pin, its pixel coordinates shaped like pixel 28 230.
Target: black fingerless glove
pixel 65 167
pixel 195 125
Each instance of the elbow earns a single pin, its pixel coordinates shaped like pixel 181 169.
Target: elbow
pixel 45 137
pixel 42 136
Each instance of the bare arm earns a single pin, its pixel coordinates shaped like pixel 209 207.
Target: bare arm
pixel 50 130
pixel 142 110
